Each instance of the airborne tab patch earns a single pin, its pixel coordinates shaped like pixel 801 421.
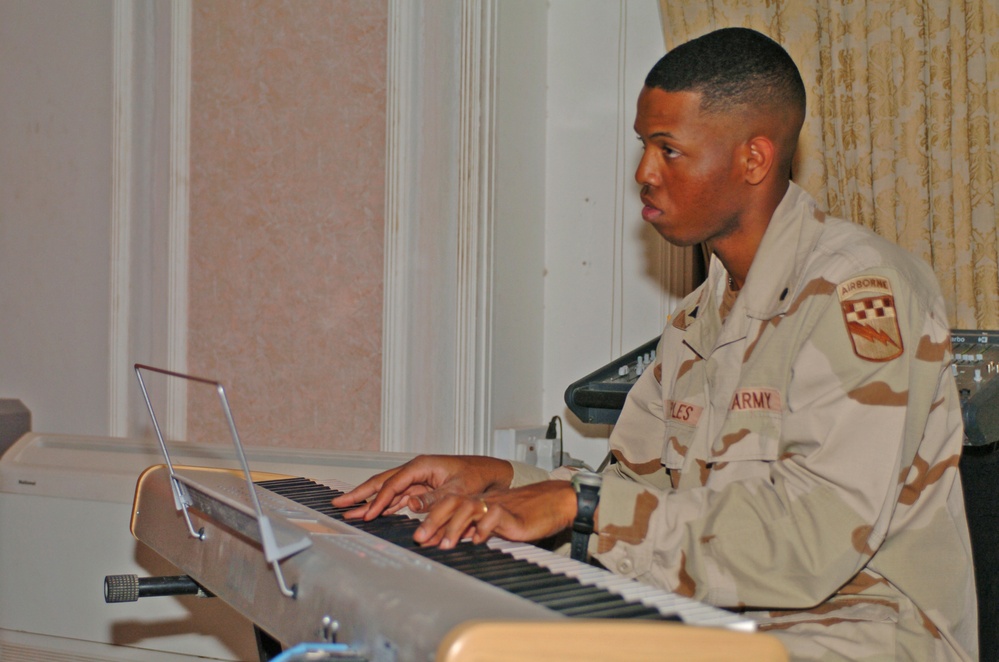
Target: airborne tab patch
pixel 869 312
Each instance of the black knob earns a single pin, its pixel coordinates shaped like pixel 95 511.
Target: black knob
pixel 121 588
pixel 129 588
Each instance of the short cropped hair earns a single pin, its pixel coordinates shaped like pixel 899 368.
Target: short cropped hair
pixel 731 67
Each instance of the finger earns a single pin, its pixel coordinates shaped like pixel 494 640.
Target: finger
pixel 454 485
pixel 477 520
pixel 432 530
pixel 421 503
pixel 364 490
pixel 386 488
pixel 489 523
pixel 434 540
pixel 356 495
pixel 465 516
pixel 395 489
pixel 397 504
pixel 440 540
pixel 406 500
pixel 356 513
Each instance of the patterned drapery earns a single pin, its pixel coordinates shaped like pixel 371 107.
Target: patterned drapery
pixel 902 132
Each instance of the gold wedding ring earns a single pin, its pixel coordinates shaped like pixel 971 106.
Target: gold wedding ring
pixel 485 507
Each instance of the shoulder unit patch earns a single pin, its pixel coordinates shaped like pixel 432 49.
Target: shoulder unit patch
pixel 869 312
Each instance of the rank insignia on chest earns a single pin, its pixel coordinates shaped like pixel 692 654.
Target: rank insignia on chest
pixel 869 312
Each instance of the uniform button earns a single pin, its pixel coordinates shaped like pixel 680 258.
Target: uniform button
pixel 625 566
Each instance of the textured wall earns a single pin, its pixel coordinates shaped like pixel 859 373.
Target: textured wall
pixel 287 198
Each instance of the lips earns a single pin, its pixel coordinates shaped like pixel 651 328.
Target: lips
pixel 650 213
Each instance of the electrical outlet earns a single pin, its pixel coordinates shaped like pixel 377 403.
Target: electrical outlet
pixel 519 444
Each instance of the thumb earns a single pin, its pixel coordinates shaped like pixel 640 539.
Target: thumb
pixel 419 503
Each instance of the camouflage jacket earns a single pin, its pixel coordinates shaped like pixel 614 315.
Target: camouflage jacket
pixel 798 459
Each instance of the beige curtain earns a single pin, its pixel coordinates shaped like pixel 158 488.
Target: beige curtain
pixel 902 132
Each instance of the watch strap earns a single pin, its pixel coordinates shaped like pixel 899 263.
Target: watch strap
pixel 587 487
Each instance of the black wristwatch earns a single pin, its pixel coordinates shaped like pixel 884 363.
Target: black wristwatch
pixel 587 486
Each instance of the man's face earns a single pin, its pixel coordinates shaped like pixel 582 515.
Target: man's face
pixel 690 175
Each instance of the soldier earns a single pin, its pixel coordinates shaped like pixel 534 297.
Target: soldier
pixel 793 452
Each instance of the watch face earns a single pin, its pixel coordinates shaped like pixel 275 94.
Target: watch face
pixel 587 478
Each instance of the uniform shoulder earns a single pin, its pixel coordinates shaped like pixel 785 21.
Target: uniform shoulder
pixel 846 250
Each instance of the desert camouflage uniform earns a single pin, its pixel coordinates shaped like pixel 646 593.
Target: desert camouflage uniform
pixel 798 459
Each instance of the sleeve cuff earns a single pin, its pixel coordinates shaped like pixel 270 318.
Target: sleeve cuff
pixel 624 537
pixel 525 474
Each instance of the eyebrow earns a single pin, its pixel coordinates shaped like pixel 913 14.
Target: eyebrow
pixel 658 134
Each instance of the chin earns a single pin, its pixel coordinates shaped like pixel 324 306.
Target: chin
pixel 679 241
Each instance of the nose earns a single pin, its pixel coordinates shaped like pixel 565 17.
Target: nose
pixel 645 173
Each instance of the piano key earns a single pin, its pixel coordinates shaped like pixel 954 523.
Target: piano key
pixel 568 589
pixel 534 580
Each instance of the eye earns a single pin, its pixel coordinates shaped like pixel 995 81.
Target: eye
pixel 667 150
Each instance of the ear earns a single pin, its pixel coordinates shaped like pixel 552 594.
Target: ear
pixel 760 154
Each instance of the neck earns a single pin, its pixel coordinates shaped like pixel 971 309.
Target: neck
pixel 737 250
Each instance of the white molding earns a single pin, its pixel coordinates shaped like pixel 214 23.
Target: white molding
pixel 473 420
pixel 178 214
pixel 622 177
pixel 437 299
pixel 119 375
pixel 399 205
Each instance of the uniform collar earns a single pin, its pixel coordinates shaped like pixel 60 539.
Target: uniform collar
pixel 790 238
